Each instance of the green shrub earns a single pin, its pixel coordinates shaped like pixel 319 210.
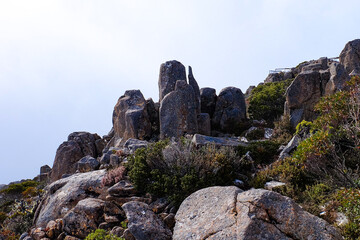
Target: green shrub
pixel 349 200
pixel 175 170
pixel 256 134
pixel 18 188
pixel 303 127
pixel 267 101
pixel 283 132
pixel 101 234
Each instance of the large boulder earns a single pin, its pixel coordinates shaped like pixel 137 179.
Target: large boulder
pixel 338 78
pixel 178 113
pixel 61 196
pixel 78 145
pixel 350 56
pixel 84 218
pixel 229 213
pixel 274 77
pixel 195 86
pixel 208 100
pixel 303 94
pixel 202 140
pixel 170 72
pixel 230 109
pixel 130 116
pixel 143 223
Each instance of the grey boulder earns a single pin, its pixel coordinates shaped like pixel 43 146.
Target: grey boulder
pixel 143 223
pixel 178 113
pixel 87 164
pixel 350 56
pixel 208 100
pixel 78 145
pixel 230 109
pixel 130 116
pixel 170 72
pixel 61 196
pixel 230 213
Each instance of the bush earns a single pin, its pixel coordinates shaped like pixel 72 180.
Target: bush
pixel 114 176
pixel 175 170
pixel 283 132
pixel 101 234
pixel 3 216
pixel 18 188
pixel 349 200
pixel 267 100
pixel 8 235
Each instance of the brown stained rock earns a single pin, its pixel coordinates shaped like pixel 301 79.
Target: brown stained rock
pixel 350 56
pixel 143 223
pixel 78 145
pixel 178 113
pixel 170 72
pixel 338 78
pixel 130 116
pixel 228 213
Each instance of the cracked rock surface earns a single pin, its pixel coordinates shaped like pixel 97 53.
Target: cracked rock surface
pixel 230 213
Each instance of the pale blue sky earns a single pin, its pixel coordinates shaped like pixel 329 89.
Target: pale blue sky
pixel 64 64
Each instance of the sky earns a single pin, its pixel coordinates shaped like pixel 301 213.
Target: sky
pixel 64 64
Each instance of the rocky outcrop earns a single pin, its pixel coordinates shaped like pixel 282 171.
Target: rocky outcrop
pixel 61 196
pixel 204 124
pixel 130 116
pixel 87 164
pixel 178 113
pixel 274 77
pixel 229 213
pixel 208 100
pixel 84 218
pixel 143 223
pixel 350 56
pixel 338 78
pixel 78 145
pixel 195 86
pixel 170 72
pixel 230 109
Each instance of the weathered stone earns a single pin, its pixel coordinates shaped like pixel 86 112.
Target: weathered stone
pixel 45 169
pixel 206 212
pixel 78 145
pixel 195 86
pixel 122 189
pixel 320 64
pixel 169 220
pixel 159 205
pixel 350 56
pixel 130 116
pixel 248 92
pixel 302 95
pixel 38 233
pixel 61 196
pixel 54 228
pixel 288 75
pixel 230 109
pixel 68 237
pixel 338 78
pixel 272 185
pixel 143 223
pixel 133 144
pixel 127 235
pixel 290 147
pixel 100 145
pixel 170 72
pixel 208 100
pixel 84 217
pixel 201 140
pixel 204 124
pixel 122 200
pixel 229 213
pixel 87 164
pixel 153 112
pixel 274 77
pixel 105 158
pixel 178 112
pixel 114 160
